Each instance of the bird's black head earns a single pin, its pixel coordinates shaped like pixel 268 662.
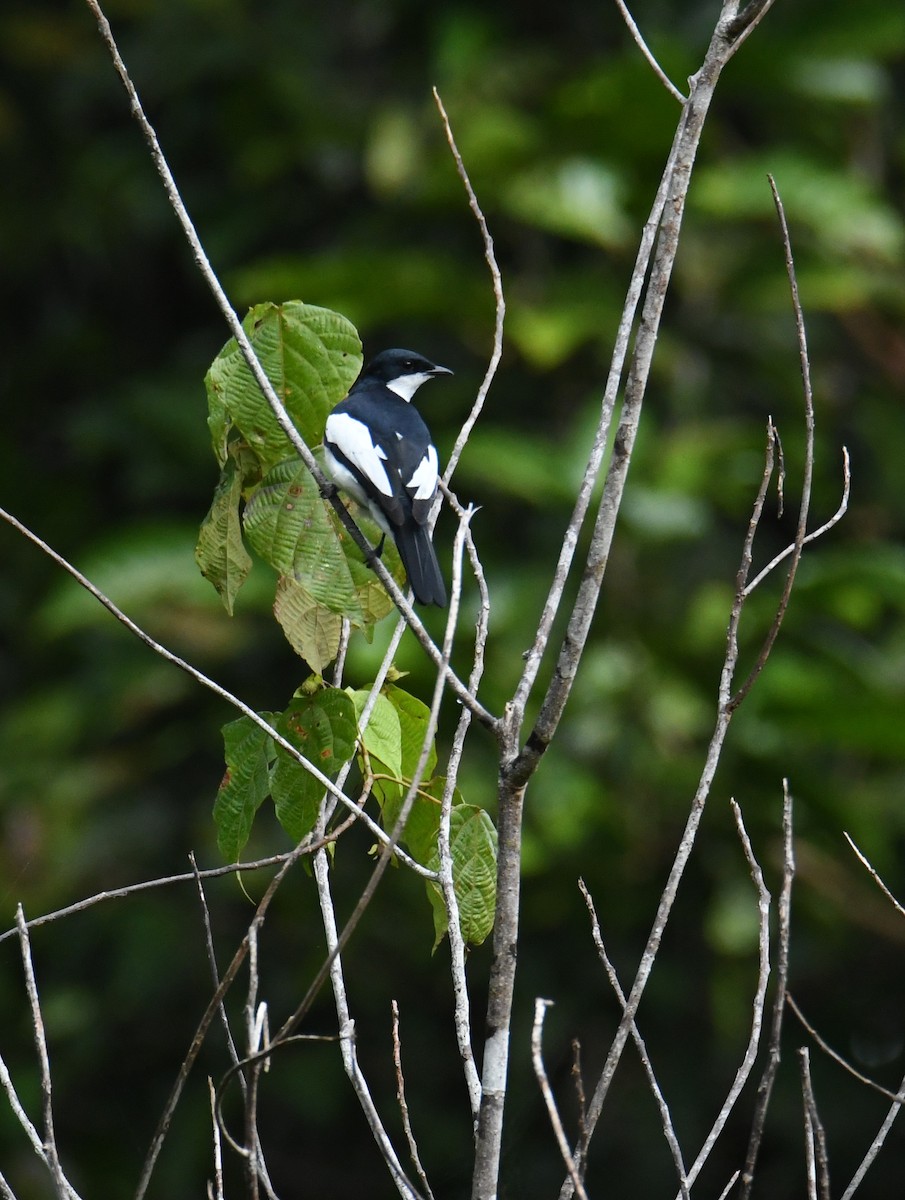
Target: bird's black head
pixel 390 365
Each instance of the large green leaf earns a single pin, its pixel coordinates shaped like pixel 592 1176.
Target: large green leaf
pixel 287 524
pixel 220 552
pixel 321 724
pixel 473 845
pixel 312 357
pixel 249 752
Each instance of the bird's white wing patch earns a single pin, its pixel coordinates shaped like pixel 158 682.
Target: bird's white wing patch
pixel 423 482
pixel 354 439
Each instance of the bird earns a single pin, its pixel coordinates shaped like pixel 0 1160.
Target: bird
pixel 378 450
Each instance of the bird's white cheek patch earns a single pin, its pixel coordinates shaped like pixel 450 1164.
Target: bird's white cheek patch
pixel 423 482
pixel 406 385
pixel 354 440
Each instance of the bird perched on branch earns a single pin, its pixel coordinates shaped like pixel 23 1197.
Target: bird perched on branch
pixel 378 450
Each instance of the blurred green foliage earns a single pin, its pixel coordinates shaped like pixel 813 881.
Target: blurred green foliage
pixel 309 152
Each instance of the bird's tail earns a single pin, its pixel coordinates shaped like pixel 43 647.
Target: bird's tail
pixel 420 561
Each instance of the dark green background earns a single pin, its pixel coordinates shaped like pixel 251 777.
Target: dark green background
pixel 308 150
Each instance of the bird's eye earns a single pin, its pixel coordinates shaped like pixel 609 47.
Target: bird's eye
pixel 409 363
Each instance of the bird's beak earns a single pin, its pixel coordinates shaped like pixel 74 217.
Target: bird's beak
pixel 441 371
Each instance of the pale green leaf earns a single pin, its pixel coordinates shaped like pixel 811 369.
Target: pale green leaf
pixel 220 552
pixel 312 630
pixel 383 734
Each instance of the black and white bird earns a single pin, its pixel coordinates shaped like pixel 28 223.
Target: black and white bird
pixel 378 450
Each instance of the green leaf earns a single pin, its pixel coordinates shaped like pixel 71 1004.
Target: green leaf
pixel 473 844
pixel 287 524
pixel 413 721
pixel 383 735
pixel 248 752
pixel 312 357
pixel 312 630
pixel 322 726
pixel 220 552
pixel 414 716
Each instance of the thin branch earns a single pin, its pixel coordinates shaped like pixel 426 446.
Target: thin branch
pixel 499 300
pixel 457 949
pixel 815 1135
pixel 874 876
pixel 648 54
pixel 729 1186
pixel 537 1060
pixel 774 1047
pixel 876 1145
pixel 760 996
pixel 212 963
pixel 817 533
pixel 808 473
pixel 669 1131
pixel 897 1098
pixel 49 1143
pixel 810 1158
pixel 740 28
pixel 403 1105
pixel 215 1192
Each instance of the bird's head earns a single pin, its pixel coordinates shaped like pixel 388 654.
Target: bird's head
pixel 403 371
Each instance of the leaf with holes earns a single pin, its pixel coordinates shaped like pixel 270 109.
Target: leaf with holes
pixel 287 525
pixel 246 783
pixel 320 723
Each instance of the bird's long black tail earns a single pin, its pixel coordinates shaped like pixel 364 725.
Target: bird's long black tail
pixel 420 561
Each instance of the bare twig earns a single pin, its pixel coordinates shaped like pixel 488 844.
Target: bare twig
pixel 499 300
pixel 215 1191
pixel 808 473
pixel 740 28
pixel 876 1145
pixel 815 1137
pixel 537 1060
pixel 666 1121
pixel 868 866
pixel 215 975
pixel 897 1098
pixel 48 1142
pixel 648 54
pixel 457 949
pixel 765 1086
pixel 403 1105
pixel 763 976
pixel 817 533
pixel 729 1186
